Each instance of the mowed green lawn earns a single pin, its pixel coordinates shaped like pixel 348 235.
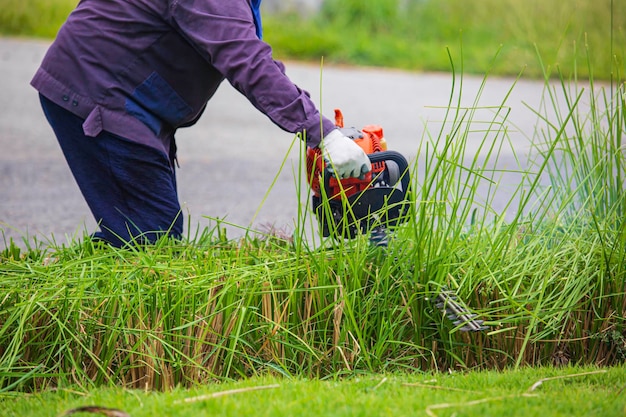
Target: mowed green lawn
pixel 529 392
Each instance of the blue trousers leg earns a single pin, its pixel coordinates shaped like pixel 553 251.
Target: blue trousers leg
pixel 130 188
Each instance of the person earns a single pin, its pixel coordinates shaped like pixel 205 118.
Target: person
pixel 122 76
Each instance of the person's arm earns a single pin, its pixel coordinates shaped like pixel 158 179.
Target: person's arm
pixel 223 32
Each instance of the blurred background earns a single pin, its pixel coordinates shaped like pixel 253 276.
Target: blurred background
pixel 500 36
pixel 505 37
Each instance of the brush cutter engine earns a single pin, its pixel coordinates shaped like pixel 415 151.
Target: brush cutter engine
pixel 347 207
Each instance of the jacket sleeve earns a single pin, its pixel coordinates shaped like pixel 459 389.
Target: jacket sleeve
pixel 223 32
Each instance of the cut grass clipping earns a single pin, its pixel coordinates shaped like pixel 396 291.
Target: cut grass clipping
pixel 546 273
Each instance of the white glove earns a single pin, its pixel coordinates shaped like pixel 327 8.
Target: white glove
pixel 344 157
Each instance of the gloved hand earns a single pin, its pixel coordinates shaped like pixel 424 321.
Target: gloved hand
pixel 344 157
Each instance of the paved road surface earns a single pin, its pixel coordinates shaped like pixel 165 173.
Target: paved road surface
pixel 232 156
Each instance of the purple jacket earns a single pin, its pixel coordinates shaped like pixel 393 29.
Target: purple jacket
pixel 141 69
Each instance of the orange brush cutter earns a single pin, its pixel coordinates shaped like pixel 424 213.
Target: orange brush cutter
pixel 369 204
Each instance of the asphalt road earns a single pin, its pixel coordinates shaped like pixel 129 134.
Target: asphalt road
pixel 234 155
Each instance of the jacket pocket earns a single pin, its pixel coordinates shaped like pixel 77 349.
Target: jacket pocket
pixel 155 102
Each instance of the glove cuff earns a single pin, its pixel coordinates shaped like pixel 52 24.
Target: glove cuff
pixel 332 137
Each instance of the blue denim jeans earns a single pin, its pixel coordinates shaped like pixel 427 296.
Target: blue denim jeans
pixel 130 188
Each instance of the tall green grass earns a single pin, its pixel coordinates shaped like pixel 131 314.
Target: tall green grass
pixel 547 273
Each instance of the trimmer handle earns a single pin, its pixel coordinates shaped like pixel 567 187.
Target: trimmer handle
pixel 400 160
